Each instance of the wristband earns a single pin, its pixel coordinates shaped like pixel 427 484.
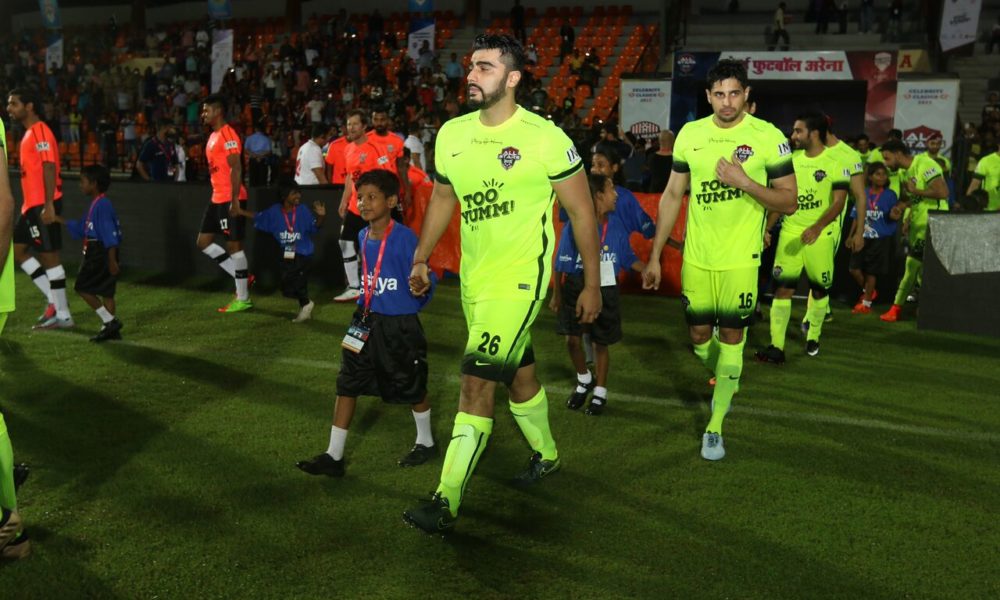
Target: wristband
pixel 419 262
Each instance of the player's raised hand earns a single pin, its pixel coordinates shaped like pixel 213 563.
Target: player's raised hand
pixel 588 305
pixel 420 280
pixel 320 208
pixel 731 173
pixel 651 276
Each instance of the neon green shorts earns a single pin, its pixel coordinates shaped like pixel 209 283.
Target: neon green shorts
pixel 792 256
pixel 499 338
pixel 723 298
pixel 3 321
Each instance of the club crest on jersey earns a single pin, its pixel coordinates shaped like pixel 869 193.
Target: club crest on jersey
pixel 819 175
pixel 508 156
pixel 743 153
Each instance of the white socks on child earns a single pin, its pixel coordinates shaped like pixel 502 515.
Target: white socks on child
pixel 582 381
pixel 424 435
pixel 338 437
pixel 601 392
pixel 105 315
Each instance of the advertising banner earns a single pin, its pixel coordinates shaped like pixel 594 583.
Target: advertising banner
pixel 222 56
pixel 794 65
pixel 959 22
pixel 50 13
pixel 926 109
pixel 54 53
pixel 220 9
pixel 645 106
pixel 420 30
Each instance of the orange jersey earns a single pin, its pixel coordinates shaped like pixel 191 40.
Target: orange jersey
pixel 391 145
pixel 335 158
pixel 221 145
pixel 418 177
pixel 360 159
pixel 38 146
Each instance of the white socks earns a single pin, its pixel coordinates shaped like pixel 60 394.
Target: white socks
pixel 216 253
pixel 582 381
pixel 34 269
pixel 350 263
pixel 338 437
pixel 240 274
pixel 423 420
pixel 601 392
pixel 105 315
pixel 57 281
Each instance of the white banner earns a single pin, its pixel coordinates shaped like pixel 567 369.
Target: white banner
pixel 222 56
pixel 420 30
pixel 926 109
pixel 54 54
pixel 645 106
pixel 959 22
pixel 794 65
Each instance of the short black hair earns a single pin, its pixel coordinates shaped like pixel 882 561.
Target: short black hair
pixel 894 145
pixel 385 181
pixel 815 121
pixel 406 152
pixel 288 188
pixel 896 134
pixel 873 167
pixel 379 108
pixel 861 136
pixel 99 174
pixel 511 51
pixel 727 68
pixel 597 182
pixel 28 96
pixel 215 100
pixel 318 130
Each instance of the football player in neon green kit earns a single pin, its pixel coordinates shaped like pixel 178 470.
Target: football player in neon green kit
pixel 737 167
pixel 14 542
pixel 987 177
pixel 924 190
pixel 502 166
pixel 809 238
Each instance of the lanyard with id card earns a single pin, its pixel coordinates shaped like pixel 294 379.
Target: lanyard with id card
pixel 358 332
pixel 608 277
pixel 289 251
pixel 88 222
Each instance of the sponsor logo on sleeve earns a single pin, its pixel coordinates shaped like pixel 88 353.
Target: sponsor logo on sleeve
pixel 572 155
pixel 42 146
pixel 232 145
pixel 784 149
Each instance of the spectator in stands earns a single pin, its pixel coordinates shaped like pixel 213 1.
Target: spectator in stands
pixel 259 151
pixel 425 56
pixel 454 72
pixel 842 17
pixel 575 62
pixel 866 16
pixel 517 22
pixel 531 55
pixel 895 23
pixel 661 162
pixel 310 169
pixel 567 40
pixel 158 160
pixel 415 146
pixel 994 37
pixel 610 140
pixel 635 165
pixel 778 28
pixel 991 110
pixel 823 10
pixel 130 139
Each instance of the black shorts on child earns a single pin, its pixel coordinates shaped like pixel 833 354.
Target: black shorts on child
pixel 874 257
pixel 295 276
pixel 606 328
pixel 95 277
pixel 393 363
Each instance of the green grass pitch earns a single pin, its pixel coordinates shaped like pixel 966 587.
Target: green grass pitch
pixel 163 466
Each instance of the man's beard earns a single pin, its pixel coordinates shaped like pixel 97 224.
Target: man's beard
pixel 488 100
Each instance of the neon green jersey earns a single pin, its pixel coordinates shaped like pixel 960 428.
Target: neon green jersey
pixel 817 178
pixel 7 275
pixel 921 172
pixel 943 162
pixel 503 178
pixel 988 174
pixel 725 227
pixel 847 157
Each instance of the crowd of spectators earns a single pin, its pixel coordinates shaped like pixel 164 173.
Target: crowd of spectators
pixel 122 96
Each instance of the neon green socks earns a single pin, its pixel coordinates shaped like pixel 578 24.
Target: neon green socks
pixel 7 498
pixel 533 419
pixel 914 268
pixel 727 381
pixel 815 315
pixel 468 440
pixel 781 313
pixel 708 353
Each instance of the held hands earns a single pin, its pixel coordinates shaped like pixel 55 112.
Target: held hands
pixel 651 276
pixel 420 280
pixel 767 239
pixel 910 187
pixel 896 213
pixel 235 210
pixel 588 305
pixel 554 302
pixel 731 173
pixel 113 268
pixel 49 216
